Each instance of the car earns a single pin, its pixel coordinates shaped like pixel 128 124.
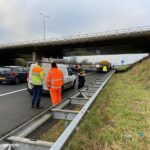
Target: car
pixel 69 77
pixel 13 74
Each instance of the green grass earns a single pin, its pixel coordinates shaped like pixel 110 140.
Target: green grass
pixel 122 67
pixel 56 127
pixel 120 117
pixel 53 132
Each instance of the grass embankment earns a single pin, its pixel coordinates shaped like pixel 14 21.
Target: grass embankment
pixel 122 68
pixel 120 117
pixel 53 132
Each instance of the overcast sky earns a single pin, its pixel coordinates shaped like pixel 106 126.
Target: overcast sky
pixel 20 19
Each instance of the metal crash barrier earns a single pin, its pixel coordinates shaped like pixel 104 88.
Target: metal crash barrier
pixel 16 140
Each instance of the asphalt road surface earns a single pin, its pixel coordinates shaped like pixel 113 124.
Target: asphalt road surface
pixel 15 103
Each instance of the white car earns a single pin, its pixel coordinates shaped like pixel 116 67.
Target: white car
pixel 69 77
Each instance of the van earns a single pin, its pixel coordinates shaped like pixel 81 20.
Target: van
pixel 69 77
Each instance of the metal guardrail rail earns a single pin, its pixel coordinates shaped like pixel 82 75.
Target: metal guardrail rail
pixel 85 97
pixel 66 134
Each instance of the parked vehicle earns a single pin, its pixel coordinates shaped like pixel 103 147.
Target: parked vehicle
pixel 13 74
pixel 29 64
pixel 69 77
pixel 103 66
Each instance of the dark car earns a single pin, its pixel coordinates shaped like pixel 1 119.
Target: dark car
pixel 13 74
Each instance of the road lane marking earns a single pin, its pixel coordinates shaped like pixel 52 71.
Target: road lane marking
pixel 24 89
pixel 13 92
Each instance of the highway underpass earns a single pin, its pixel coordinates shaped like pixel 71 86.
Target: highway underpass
pixel 114 42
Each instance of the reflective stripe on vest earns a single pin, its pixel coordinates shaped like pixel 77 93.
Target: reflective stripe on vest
pixel 56 87
pixel 53 80
pixel 36 74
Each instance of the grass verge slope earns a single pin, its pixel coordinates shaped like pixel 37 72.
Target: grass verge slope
pixel 120 117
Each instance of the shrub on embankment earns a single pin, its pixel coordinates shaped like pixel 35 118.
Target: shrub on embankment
pixel 120 117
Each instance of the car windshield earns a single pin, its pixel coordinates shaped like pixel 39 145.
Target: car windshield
pixel 5 69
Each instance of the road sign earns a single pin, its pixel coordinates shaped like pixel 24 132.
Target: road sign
pixel 122 62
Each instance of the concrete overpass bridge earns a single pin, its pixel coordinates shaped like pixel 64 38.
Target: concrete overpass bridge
pixel 132 40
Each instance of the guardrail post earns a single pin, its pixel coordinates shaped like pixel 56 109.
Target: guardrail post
pixel 66 122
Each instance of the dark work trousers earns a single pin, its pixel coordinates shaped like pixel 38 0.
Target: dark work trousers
pixel 36 97
pixel 81 81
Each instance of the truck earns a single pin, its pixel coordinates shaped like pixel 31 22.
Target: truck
pixel 103 66
pixel 69 77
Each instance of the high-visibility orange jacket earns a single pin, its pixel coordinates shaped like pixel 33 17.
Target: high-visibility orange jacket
pixel 55 78
pixel 37 75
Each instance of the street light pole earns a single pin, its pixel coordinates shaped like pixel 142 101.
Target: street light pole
pixel 44 16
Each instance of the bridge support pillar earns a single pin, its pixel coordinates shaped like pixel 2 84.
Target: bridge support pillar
pixel 34 56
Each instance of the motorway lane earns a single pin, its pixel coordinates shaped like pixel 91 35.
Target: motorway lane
pixel 15 108
pixel 5 88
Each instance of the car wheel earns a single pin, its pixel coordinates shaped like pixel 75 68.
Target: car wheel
pixel 17 80
pixel 74 83
pixel 30 92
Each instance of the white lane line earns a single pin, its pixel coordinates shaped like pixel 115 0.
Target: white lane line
pixel 13 92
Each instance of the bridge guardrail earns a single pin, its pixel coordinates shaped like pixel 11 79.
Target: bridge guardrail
pixel 80 36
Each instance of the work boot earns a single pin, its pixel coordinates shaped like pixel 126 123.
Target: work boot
pixel 32 105
pixel 39 107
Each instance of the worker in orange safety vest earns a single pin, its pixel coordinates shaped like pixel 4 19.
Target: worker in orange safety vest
pixel 54 82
